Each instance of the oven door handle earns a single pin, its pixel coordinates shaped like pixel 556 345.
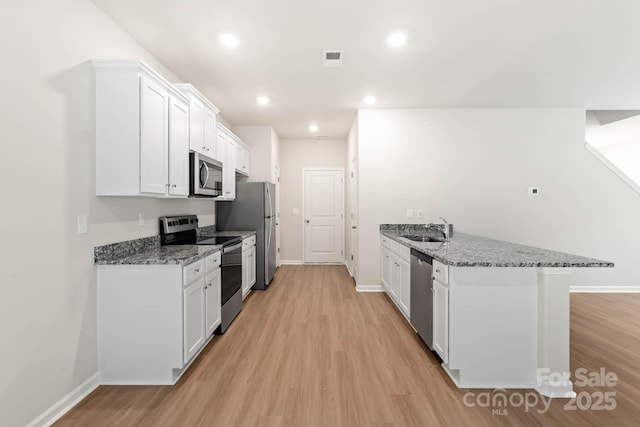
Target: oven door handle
pixel 231 248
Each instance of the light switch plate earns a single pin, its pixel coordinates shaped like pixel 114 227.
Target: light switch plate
pixel 141 220
pixel 82 224
pixel 409 213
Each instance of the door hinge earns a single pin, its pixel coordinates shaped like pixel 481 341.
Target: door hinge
pixel 278 250
pixel 341 216
pixel 351 257
pixel 351 174
pixel 341 252
pixel 341 180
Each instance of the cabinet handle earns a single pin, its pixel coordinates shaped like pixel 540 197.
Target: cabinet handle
pixel 437 270
pixel 433 278
pixel 197 270
pixel 174 185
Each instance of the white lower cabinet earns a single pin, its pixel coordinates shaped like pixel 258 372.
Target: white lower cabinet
pixel 441 320
pixel 248 264
pixel 212 301
pixel 194 318
pixel 153 320
pixel 396 274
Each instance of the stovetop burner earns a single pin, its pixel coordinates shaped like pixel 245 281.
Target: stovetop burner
pixel 220 240
pixel 181 230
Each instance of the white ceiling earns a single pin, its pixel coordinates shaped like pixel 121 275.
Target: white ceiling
pixel 461 53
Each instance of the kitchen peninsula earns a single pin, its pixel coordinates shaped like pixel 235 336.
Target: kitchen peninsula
pixel 501 310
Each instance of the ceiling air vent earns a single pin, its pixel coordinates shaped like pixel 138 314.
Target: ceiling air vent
pixel 332 58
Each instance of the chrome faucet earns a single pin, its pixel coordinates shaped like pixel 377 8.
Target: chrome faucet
pixel 445 230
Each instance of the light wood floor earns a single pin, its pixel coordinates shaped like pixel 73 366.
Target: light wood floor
pixel 311 351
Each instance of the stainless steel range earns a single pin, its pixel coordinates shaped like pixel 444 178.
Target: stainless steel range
pixel 181 230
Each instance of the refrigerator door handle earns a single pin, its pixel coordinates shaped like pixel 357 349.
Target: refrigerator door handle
pixel 267 232
pixel 269 197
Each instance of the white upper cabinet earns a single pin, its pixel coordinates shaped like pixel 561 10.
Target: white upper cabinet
pixel 203 117
pixel 242 158
pixel 227 143
pixel 141 132
pixel 178 147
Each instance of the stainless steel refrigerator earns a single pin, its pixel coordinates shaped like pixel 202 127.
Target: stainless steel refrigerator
pixel 253 209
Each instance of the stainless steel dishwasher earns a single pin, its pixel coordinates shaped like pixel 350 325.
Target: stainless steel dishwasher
pixel 422 296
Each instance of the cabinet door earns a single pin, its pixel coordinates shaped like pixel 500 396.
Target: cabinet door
pixel 229 171
pixel 245 272
pixel 210 122
pixel 404 286
pixel 386 266
pixel 395 276
pixel 221 147
pixel 441 320
pixel 194 320
pixel 242 160
pixel 213 307
pixel 178 148
pixel 251 261
pixel 154 138
pixel 196 124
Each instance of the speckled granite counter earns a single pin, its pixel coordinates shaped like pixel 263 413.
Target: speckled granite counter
pixel 466 250
pixel 148 251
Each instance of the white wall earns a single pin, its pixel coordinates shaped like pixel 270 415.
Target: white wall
pixel 48 292
pixel 473 167
pixel 259 139
pixel 296 154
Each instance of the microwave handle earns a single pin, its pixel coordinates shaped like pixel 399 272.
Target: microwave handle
pixel 206 169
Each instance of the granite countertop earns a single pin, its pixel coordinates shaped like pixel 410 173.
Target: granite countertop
pixel 466 250
pixel 148 251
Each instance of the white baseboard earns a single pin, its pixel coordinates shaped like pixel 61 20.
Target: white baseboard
pixel 62 406
pixel 291 262
pixel 369 288
pixel 606 289
pixel 346 264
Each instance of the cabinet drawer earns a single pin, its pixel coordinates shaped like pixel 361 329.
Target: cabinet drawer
pixel 193 271
pixel 249 241
pixel 441 272
pixel 212 262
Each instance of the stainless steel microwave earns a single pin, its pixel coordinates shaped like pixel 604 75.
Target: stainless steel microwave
pixel 205 176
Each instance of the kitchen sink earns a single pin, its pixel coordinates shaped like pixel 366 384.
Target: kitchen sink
pixel 422 238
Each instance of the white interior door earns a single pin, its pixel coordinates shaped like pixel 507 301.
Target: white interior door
pixel 276 178
pixel 323 215
pixel 353 182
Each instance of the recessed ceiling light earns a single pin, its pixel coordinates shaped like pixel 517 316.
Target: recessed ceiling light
pixel 228 40
pixel 397 39
pixel 313 127
pixel 369 99
pixel 262 100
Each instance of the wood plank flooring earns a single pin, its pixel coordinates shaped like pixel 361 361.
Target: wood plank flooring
pixel 311 351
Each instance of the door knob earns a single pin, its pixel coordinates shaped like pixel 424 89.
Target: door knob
pixel 307 221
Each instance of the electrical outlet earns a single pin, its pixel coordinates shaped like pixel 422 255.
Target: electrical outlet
pixel 141 220
pixel 82 224
pixel 419 214
pixel 409 213
pixel 534 191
